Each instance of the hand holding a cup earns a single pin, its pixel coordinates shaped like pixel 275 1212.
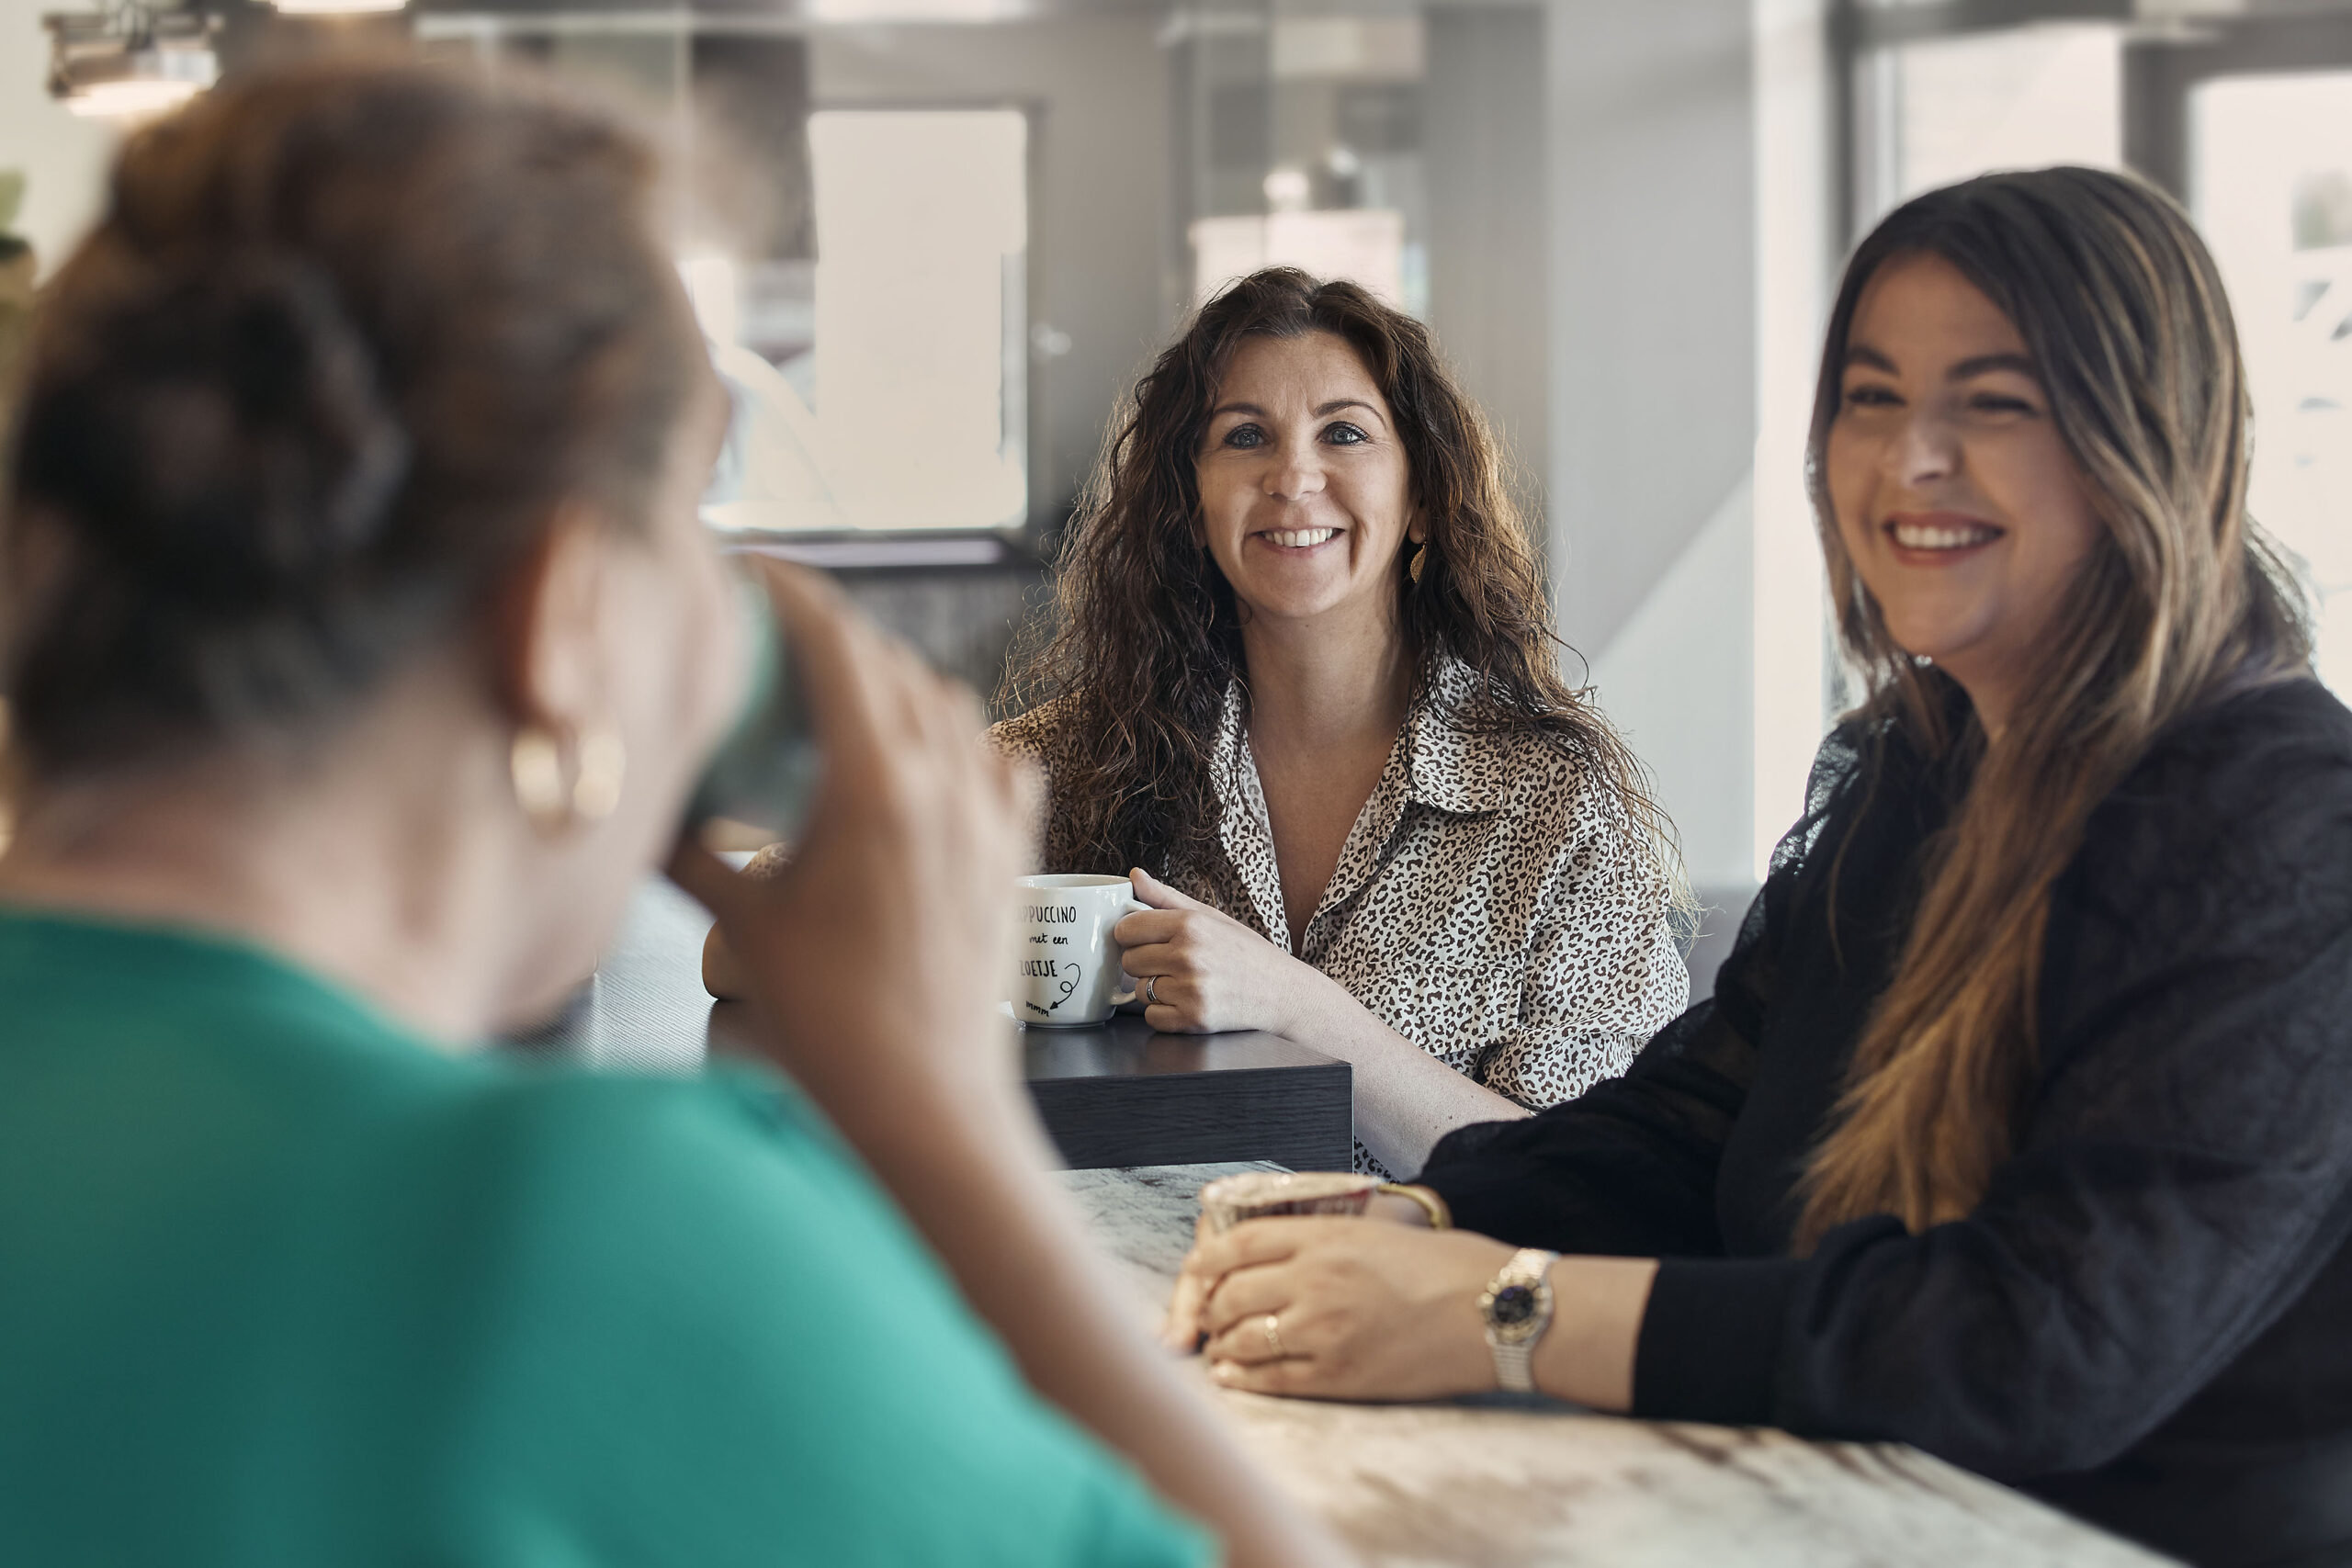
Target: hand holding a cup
pixel 1286 1292
pixel 1259 1195
pixel 1199 970
pixel 1340 1309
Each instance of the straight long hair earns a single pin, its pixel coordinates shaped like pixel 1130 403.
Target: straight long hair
pixel 1144 637
pixel 2181 600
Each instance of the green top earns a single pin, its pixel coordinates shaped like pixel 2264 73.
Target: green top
pixel 281 1284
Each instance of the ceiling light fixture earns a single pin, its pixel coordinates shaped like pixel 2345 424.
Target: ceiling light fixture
pixel 337 8
pixel 870 12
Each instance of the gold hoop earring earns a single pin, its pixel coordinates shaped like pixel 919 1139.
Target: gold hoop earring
pixel 1413 569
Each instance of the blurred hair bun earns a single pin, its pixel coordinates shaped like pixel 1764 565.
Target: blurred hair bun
pixel 348 334
pixel 219 429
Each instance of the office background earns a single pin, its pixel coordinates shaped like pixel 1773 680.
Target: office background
pixel 933 241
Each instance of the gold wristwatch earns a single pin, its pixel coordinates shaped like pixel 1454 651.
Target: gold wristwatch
pixel 1517 1307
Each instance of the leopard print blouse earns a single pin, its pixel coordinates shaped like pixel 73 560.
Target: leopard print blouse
pixel 1491 905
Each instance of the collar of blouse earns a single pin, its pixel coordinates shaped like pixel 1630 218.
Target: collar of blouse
pixel 1451 769
pixel 1461 773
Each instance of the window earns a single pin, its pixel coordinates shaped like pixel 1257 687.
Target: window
pixel 1308 147
pixel 2271 183
pixel 1936 110
pixel 908 408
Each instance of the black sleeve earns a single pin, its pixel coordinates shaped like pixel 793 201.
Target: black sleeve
pixel 1628 1167
pixel 2183 1174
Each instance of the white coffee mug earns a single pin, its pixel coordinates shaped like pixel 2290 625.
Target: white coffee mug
pixel 1068 975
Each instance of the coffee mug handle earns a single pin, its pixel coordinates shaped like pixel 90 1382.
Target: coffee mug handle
pixel 1135 907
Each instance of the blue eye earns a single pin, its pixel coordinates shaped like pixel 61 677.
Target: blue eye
pixel 1245 435
pixel 1345 435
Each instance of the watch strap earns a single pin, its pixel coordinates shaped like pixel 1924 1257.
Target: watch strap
pixel 1514 1365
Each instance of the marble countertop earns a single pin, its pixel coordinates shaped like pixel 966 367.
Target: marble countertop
pixel 1530 1483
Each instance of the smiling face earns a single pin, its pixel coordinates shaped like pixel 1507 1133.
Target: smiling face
pixel 1965 514
pixel 1305 493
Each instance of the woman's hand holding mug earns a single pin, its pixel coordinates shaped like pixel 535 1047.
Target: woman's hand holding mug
pixel 1367 1311
pixel 1199 970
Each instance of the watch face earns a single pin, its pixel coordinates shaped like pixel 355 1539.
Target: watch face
pixel 1513 1305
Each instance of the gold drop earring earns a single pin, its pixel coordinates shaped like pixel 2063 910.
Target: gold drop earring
pixel 537 764
pixel 604 765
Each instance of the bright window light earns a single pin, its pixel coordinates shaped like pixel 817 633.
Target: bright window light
pixel 336 8
pixel 1946 109
pixel 1793 268
pixel 868 13
pixel 922 238
pixel 1365 247
pixel 130 99
pixel 2270 181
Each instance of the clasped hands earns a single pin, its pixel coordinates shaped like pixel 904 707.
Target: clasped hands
pixel 1382 1308
pixel 1374 1308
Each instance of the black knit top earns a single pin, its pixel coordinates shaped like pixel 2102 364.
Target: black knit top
pixel 2148 1318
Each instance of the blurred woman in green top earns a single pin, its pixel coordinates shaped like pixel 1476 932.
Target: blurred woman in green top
pixel 358 462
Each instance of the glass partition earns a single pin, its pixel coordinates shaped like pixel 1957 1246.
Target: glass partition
pixel 906 408
pixel 861 273
pixel 1931 111
pixel 1306 144
pixel 2271 183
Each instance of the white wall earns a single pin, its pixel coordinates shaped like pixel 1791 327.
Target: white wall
pixel 1795 271
pixel 1653 393
pixel 1674 680
pixel 1484 116
pixel 64 159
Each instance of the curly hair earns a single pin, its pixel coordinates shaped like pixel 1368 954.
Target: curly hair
pixel 1143 637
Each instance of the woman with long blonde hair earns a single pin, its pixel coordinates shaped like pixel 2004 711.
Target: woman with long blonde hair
pixel 2019 1126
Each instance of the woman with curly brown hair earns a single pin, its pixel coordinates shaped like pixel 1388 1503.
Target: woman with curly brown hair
pixel 1301 685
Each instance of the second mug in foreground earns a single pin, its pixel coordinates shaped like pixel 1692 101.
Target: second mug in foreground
pixel 1068 970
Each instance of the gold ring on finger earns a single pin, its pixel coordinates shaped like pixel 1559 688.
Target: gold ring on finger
pixel 1273 1323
